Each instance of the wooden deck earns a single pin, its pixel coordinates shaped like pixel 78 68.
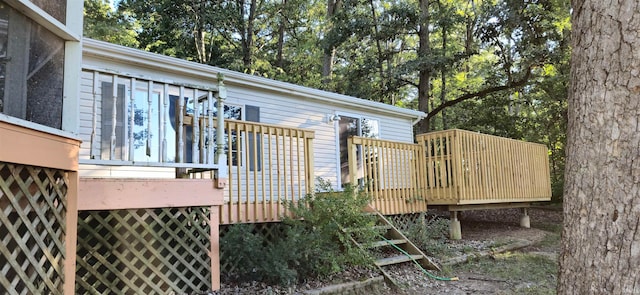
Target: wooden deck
pixel 453 168
pixel 465 168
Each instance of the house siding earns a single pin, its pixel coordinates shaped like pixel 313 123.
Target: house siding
pixel 276 107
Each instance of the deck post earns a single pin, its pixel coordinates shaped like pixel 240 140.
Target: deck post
pixel 524 219
pixel 455 233
pixel 220 157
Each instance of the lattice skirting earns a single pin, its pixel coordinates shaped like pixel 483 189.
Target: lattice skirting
pixel 33 211
pixel 144 251
pixel 404 221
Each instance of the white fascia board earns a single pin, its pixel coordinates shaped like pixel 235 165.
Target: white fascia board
pixel 105 50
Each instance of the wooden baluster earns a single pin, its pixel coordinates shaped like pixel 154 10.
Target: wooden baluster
pixel 195 139
pixel 132 104
pixel 149 114
pixel 164 121
pixel 114 113
pixel 210 142
pixel 180 155
pixel 94 123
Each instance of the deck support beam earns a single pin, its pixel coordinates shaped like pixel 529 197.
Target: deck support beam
pixel 455 232
pixel 524 219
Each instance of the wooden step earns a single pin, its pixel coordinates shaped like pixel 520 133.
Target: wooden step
pixel 386 243
pixel 397 259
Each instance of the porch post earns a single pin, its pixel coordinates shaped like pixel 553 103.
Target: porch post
pixel 71 236
pixel 220 155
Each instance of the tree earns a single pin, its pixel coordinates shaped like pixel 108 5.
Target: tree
pixel 601 236
pixel 101 22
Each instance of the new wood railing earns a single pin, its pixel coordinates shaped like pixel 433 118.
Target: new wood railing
pixel 464 167
pixel 452 167
pixel 390 172
pixel 269 166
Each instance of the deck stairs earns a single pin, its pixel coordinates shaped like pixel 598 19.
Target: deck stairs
pixel 385 250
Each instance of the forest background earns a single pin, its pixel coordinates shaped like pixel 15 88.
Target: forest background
pixel 495 66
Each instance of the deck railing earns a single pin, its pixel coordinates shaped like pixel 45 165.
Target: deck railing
pixel 137 121
pixel 452 167
pixel 464 167
pixel 390 172
pixel 269 166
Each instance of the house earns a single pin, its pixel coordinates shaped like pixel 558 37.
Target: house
pixel 117 166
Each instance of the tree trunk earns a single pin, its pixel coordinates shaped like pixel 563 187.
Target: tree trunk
pixel 248 42
pixel 281 32
pixel 443 70
pixel 376 36
pixel 601 237
pixel 330 52
pixel 424 75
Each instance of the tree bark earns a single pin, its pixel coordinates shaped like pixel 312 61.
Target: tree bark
pixel 601 236
pixel 248 39
pixel 424 74
pixel 330 52
pixel 443 70
pixel 281 32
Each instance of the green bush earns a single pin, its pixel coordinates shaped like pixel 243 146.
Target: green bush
pixel 312 245
pixel 428 233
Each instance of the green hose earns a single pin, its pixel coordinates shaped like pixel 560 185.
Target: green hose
pixel 418 264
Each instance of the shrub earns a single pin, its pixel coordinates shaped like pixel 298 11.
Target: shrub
pixel 311 245
pixel 428 233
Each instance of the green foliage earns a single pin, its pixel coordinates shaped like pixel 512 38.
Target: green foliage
pixel 312 246
pixel 428 233
pixel 101 22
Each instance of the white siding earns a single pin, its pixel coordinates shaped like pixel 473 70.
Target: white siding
pixel 276 107
pixel 297 112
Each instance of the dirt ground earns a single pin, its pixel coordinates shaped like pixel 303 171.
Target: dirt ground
pixel 482 231
pixel 495 227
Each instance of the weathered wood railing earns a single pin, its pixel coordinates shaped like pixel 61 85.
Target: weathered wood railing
pixel 390 172
pixel 464 167
pixel 137 121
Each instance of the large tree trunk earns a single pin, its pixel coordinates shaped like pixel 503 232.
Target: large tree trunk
pixel 248 40
pixel 601 237
pixel 424 74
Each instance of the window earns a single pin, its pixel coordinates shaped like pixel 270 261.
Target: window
pixel 353 126
pixel 31 69
pixel 232 112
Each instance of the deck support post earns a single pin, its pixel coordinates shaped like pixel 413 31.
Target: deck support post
pixel 455 233
pixel 524 220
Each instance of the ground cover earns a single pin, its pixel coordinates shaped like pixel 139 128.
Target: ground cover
pixel 530 270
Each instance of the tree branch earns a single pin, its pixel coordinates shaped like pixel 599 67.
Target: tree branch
pixel 480 93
